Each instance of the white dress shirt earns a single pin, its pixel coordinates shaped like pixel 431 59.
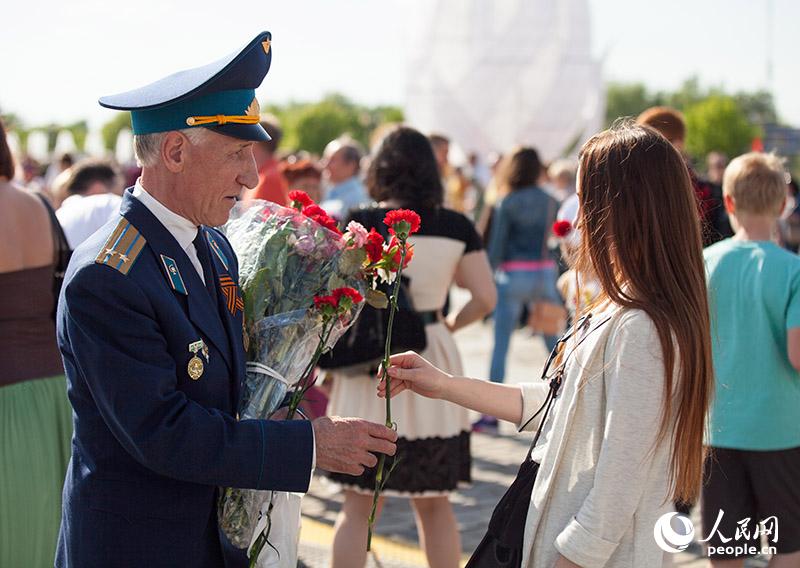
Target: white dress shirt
pixel 179 227
pixel 80 215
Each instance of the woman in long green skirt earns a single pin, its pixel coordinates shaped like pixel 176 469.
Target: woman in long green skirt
pixel 35 415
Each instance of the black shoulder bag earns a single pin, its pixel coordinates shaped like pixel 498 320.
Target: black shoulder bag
pixel 501 546
pixel 364 343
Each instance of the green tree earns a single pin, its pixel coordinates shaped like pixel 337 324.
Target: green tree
pixel 13 123
pixel 626 99
pixel 320 123
pixel 52 131
pixel 310 126
pixel 758 106
pixel 79 131
pixel 718 123
pixel 689 93
pixel 111 129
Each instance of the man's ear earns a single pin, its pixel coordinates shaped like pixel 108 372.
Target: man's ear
pixel 174 147
pixel 730 204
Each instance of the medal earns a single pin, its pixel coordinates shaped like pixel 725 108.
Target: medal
pixel 195 367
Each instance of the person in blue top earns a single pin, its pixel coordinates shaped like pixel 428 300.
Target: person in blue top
pixel 754 431
pixel 150 331
pixel 345 191
pixel 524 270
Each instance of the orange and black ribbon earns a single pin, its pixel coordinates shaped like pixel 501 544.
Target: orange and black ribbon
pixel 231 292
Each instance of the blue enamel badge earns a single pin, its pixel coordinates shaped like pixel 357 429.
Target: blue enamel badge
pixel 217 251
pixel 174 275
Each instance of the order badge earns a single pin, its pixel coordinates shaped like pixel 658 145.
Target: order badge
pixel 195 368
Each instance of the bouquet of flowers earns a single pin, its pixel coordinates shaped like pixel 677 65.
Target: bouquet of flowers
pixel 302 282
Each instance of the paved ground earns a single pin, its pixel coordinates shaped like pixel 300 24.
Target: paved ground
pixel 495 462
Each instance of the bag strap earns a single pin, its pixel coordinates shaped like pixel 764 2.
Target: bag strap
pixel 60 244
pixel 555 382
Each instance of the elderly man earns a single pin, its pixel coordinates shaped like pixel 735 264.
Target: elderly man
pixel 342 163
pixel 153 353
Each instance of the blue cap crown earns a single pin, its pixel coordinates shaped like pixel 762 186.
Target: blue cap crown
pixel 220 96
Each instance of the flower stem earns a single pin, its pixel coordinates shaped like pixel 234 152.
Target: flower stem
pixel 302 386
pixel 300 389
pixel 379 479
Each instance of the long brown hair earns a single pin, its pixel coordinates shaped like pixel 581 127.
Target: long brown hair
pixel 6 160
pixel 519 170
pixel 641 240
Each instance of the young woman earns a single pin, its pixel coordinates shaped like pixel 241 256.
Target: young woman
pixel 433 444
pixel 624 436
pixel 35 415
pixel 524 271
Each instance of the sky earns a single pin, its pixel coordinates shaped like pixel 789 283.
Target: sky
pixel 59 57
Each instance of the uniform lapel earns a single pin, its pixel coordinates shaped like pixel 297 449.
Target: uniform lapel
pixel 229 303
pixel 202 310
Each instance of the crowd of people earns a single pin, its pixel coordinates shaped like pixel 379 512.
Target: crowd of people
pixel 680 290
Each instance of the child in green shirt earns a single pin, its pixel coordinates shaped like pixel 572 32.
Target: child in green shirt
pixel 754 430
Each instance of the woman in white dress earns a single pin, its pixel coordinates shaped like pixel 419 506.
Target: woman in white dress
pixel 433 447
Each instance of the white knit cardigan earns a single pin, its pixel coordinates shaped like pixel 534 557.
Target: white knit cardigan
pixel 603 480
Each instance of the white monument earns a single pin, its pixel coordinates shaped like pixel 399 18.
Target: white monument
pixel 493 74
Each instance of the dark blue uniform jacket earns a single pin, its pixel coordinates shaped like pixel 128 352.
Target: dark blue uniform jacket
pixel 151 444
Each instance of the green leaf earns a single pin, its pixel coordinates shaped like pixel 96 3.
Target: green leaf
pixel 377 299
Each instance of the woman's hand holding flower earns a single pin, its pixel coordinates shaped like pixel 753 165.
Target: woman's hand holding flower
pixel 410 371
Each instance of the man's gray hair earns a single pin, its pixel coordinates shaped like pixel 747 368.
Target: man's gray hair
pixel 351 150
pixel 147 147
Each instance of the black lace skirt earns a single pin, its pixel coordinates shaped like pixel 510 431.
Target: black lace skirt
pixel 427 466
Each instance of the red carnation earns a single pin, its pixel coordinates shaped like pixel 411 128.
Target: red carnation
pixel 402 222
pixel 562 228
pixel 396 251
pixel 318 214
pixel 300 198
pixel 328 223
pixel 321 302
pixel 351 293
pixel 374 246
pixel 313 210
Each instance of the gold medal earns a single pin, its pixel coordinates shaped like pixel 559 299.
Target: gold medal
pixel 195 368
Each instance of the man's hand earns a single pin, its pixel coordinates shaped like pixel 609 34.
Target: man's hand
pixel 344 445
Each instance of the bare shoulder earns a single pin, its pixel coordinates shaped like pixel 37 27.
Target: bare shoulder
pixel 23 202
pixel 25 234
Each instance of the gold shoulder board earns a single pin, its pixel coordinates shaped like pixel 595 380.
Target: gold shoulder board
pixel 122 247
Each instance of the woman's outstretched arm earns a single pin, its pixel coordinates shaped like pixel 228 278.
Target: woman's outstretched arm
pixel 410 371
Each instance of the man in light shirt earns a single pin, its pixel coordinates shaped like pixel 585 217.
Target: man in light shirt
pixel 342 163
pixel 94 188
